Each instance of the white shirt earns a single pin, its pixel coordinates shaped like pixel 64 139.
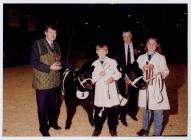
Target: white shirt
pixel 50 43
pixel 131 52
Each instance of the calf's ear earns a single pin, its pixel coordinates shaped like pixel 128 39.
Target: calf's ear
pixel 92 68
pixel 75 79
pixel 120 69
pixel 76 72
pixel 135 64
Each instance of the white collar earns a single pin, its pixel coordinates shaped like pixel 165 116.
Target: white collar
pixel 49 42
pixel 105 59
pixel 130 45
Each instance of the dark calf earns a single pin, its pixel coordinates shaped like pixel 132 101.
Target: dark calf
pixel 78 81
pixel 130 92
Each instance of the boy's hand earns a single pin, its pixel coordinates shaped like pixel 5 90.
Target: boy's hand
pixel 110 80
pixel 102 73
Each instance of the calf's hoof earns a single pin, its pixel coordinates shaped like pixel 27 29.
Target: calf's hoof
pixel 92 123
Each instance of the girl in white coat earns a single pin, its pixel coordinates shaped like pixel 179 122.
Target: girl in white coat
pixel 154 98
pixel 106 98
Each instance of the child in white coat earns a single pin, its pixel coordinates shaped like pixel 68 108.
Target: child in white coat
pixel 106 98
pixel 154 98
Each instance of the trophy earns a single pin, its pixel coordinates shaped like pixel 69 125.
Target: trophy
pixel 57 58
pixel 149 75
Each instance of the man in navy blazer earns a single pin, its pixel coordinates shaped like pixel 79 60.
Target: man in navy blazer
pixel 126 54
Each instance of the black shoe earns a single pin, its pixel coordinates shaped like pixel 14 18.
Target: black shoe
pixel 56 127
pixel 124 122
pixel 67 127
pixel 96 133
pixel 68 124
pixel 45 134
pixel 143 132
pixel 113 133
pixel 156 135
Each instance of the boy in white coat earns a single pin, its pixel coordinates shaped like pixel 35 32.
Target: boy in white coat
pixel 106 99
pixel 154 98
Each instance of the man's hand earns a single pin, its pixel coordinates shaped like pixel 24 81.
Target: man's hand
pixel 110 80
pixel 55 66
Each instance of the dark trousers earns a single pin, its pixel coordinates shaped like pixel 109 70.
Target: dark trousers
pixel 123 112
pixel 132 106
pixel 111 113
pixel 47 108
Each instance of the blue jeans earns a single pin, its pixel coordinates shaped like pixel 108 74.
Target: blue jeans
pixel 158 120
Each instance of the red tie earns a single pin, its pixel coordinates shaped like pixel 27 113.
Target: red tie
pixel 126 88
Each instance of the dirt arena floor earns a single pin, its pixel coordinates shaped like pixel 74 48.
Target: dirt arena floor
pixel 20 111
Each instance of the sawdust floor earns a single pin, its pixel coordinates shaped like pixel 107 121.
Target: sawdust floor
pixel 20 112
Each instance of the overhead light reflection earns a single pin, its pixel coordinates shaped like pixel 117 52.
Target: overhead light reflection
pixel 129 15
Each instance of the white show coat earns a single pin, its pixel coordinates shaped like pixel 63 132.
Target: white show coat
pixel 103 90
pixel 160 65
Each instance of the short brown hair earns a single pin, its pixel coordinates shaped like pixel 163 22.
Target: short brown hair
pixel 125 31
pixel 51 26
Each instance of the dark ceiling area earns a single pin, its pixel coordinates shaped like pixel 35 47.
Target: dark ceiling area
pixel 81 26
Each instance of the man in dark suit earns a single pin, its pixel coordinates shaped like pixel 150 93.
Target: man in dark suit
pixel 46 63
pixel 125 55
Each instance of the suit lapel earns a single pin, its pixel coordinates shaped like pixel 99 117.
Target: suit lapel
pixel 123 55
